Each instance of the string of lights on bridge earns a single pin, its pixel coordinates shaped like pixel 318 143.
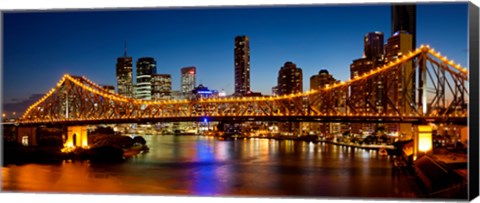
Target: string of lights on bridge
pixel 97 89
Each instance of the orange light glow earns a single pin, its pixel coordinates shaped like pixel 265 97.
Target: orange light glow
pixel 424 138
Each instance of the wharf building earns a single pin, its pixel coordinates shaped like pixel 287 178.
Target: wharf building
pixel 242 65
pixel 146 67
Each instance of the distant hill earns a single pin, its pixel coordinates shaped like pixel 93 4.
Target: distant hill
pixel 19 107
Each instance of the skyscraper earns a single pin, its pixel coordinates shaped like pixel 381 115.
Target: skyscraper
pixel 290 79
pixel 374 56
pixel 361 91
pixel 124 75
pixel 146 67
pixel 398 45
pixel 188 80
pixel 373 46
pixel 404 19
pixel 375 53
pixel 403 80
pixel 242 65
pixel 161 86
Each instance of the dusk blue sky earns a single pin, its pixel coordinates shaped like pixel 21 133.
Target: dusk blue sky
pixel 39 47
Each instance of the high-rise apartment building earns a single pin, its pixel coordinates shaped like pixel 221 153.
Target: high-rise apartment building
pixel 161 86
pixel 242 65
pixel 188 80
pixel 146 67
pixel 404 19
pixel 125 75
pixel 290 79
pixel 321 80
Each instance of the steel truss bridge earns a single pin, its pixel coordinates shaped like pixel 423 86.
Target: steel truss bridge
pixel 419 87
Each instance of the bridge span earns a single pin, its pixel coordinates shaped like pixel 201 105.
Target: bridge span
pixel 439 95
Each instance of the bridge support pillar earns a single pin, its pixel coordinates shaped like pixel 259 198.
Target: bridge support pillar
pixel 27 136
pixel 76 136
pixel 422 140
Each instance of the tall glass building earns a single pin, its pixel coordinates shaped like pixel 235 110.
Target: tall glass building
pixel 125 75
pixel 188 80
pixel 242 65
pixel 404 19
pixel 146 67
pixel 373 46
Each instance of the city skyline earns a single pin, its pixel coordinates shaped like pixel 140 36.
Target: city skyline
pixel 338 101
pixel 266 57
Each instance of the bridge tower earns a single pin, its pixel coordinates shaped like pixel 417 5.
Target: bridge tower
pixel 422 140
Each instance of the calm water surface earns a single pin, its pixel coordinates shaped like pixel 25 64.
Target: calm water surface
pixel 205 166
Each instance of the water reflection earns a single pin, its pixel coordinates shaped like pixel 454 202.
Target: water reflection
pixel 206 166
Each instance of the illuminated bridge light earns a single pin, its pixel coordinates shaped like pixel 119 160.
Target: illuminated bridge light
pixel 91 88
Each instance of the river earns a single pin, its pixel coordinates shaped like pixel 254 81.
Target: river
pixel 206 166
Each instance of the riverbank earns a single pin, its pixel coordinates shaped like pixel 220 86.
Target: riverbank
pixel 315 139
pixel 363 146
pixel 17 154
pixel 127 153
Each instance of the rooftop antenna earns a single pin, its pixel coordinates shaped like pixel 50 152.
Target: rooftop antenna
pixel 125 49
